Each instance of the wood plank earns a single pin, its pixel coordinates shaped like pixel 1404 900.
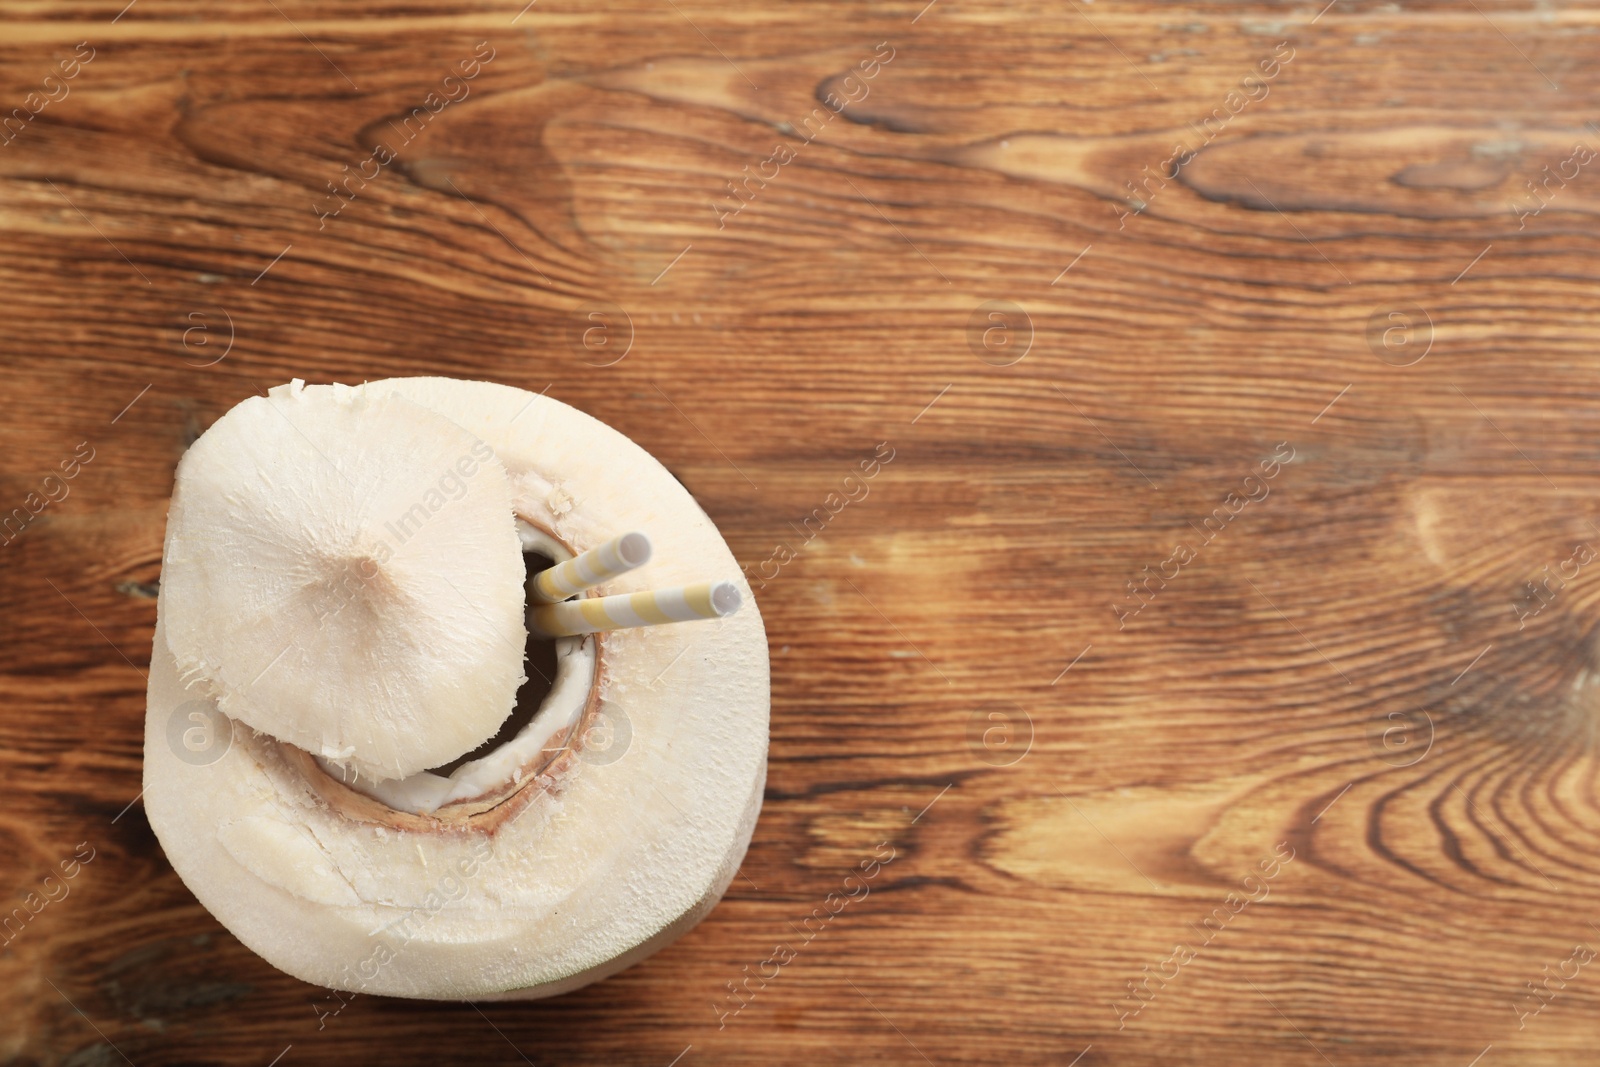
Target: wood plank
pixel 1348 667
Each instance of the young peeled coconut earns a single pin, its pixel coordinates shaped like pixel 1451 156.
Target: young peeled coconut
pixel 342 609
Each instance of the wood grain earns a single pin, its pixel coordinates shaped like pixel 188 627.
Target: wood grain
pixel 1350 670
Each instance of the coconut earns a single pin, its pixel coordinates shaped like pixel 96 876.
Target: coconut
pixel 607 826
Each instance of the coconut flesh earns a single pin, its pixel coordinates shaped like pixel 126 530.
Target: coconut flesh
pixel 323 827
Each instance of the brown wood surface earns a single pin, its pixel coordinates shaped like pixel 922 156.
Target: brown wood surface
pixel 1341 672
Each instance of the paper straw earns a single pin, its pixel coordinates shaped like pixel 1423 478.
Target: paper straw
pixel 703 600
pixel 600 564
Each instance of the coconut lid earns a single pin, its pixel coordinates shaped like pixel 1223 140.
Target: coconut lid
pixel 342 571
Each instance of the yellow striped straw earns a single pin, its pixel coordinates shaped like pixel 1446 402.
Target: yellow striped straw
pixel 703 600
pixel 600 564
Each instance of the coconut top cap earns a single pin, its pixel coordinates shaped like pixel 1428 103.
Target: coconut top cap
pixel 343 572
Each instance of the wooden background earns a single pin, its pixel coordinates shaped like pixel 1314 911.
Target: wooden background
pixel 1344 671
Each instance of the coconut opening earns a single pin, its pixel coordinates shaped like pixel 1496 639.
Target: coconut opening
pixel 561 672
pixel 540 662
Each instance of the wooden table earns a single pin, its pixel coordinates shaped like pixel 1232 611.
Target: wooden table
pixel 1185 655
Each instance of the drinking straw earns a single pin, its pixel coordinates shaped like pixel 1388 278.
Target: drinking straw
pixel 601 563
pixel 702 600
